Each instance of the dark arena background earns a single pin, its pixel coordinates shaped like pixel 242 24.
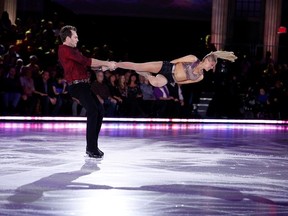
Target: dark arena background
pixel 223 158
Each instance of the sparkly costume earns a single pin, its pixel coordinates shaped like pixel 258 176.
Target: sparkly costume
pixel 167 70
pixel 189 68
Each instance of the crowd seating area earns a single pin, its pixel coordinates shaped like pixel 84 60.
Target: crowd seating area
pixel 32 82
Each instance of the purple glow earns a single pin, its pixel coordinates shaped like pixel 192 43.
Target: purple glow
pixel 146 120
pixel 81 126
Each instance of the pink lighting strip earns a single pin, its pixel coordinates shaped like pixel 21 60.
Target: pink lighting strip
pixel 144 120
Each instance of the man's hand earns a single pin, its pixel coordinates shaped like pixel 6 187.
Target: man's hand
pixel 111 65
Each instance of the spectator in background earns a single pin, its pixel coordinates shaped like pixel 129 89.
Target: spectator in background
pixel 122 88
pixel 146 88
pixel 11 92
pixel 262 104
pixel 77 108
pixel 59 87
pixel 102 91
pixel 10 57
pixel 114 90
pixel 164 102
pixel 148 100
pixel 6 28
pixel 44 94
pixel 28 102
pixel 18 66
pixel 134 97
pixel 34 67
pixel 277 97
pixel 176 92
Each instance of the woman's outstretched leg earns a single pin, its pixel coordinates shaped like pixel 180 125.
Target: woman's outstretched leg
pixel 146 69
pixel 152 67
pixel 158 81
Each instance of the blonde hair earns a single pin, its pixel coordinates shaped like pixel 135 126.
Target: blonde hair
pixel 226 55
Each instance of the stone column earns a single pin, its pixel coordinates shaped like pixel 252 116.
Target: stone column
pixel 272 22
pixel 219 23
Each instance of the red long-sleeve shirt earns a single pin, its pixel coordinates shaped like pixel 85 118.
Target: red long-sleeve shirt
pixel 74 63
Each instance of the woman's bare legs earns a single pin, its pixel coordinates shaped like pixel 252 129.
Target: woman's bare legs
pixel 158 81
pixel 152 67
pixel 146 69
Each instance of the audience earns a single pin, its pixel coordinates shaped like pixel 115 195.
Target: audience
pixel 165 103
pixel 44 95
pixel 32 83
pixel 63 99
pixel 102 92
pixel 28 101
pixel 148 102
pixel 134 97
pixel 11 88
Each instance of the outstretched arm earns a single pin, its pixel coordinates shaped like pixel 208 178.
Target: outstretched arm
pixel 99 63
pixel 188 58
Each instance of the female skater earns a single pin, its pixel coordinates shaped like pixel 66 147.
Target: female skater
pixel 185 70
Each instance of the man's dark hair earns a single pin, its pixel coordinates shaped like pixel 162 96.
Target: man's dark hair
pixel 66 32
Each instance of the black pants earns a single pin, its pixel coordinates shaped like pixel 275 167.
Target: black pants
pixel 95 112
